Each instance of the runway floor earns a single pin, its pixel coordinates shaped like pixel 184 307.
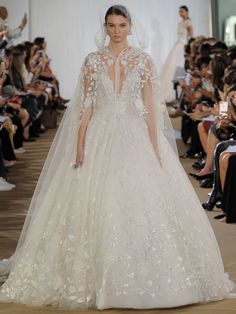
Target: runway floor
pixel 14 205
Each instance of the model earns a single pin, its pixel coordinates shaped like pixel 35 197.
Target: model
pixel 122 227
pixel 175 59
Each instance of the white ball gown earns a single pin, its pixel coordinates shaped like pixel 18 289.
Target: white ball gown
pixel 122 231
pixel 174 60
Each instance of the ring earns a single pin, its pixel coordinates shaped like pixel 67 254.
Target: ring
pixel 75 165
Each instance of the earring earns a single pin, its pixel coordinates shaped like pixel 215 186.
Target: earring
pixel 129 33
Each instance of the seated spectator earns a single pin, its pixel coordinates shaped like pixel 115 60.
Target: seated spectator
pixel 47 72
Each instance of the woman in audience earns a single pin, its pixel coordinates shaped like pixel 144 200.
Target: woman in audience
pixel 36 62
pixel 214 137
pixel 226 131
pixel 47 72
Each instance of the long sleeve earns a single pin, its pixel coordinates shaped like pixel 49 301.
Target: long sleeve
pixel 88 88
pixel 148 101
pixel 155 112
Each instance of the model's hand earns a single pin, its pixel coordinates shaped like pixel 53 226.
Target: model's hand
pixel 158 156
pixel 80 157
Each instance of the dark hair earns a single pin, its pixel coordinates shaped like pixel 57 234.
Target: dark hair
pixel 118 10
pixel 203 61
pixel 8 52
pixel 230 78
pixel 219 46
pixel 231 54
pixel 218 66
pixel 39 41
pixel 187 48
pixel 232 88
pixel 205 49
pixel 184 7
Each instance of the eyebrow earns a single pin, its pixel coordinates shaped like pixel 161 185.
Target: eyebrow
pixel 110 23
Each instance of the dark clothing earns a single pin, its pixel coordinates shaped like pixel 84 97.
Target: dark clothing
pixel 196 146
pixel 17 79
pixel 2 168
pixel 229 196
pixel 3 44
pixel 8 152
pixel 18 136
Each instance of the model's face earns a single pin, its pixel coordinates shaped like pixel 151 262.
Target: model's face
pixel 183 13
pixel 117 28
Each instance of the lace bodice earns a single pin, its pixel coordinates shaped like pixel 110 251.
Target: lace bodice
pixel 182 31
pixel 115 84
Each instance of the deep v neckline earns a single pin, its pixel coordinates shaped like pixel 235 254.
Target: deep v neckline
pixel 123 83
pixel 117 83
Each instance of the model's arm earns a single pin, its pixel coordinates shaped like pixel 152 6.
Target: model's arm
pixel 190 31
pixel 86 114
pixel 149 112
pixel 81 135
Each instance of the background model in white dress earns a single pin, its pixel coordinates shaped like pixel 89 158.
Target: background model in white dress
pixel 175 58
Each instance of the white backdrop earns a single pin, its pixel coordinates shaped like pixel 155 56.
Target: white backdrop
pixel 69 27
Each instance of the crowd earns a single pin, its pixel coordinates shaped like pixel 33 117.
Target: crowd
pixel 207 104
pixel 29 94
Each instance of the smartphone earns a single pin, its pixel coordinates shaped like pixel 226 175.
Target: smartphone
pixel 223 109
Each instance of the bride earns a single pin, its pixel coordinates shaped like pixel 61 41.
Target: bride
pixel 123 227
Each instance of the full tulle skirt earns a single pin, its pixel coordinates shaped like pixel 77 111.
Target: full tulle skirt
pixel 123 231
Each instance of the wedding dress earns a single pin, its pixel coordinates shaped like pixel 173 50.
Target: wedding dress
pixel 124 230
pixel 174 60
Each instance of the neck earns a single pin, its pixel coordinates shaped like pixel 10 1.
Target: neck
pixel 116 48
